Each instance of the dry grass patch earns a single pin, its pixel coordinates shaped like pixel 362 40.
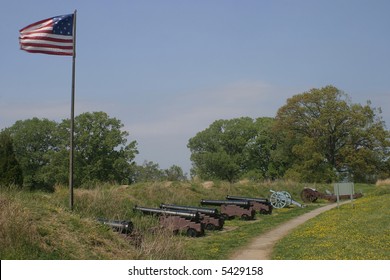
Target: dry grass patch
pixel 385 182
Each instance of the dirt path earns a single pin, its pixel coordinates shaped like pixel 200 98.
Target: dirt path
pixel 261 247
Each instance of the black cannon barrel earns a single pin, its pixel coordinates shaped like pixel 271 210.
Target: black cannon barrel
pixel 159 211
pixel 120 226
pixel 207 211
pixel 243 203
pixel 257 199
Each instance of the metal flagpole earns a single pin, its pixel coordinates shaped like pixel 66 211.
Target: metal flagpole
pixel 71 152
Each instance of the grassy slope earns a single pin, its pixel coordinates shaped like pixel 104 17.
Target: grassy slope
pixel 33 227
pixel 352 233
pixel 39 226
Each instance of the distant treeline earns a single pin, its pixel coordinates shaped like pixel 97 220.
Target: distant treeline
pixel 34 153
pixel 317 136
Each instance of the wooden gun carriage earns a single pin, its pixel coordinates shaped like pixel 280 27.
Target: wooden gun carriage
pixel 177 221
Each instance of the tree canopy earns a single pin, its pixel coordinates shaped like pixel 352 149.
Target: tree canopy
pixel 10 170
pixel 101 150
pixel 229 149
pixel 34 139
pixel 151 171
pixel 323 135
pixel 317 136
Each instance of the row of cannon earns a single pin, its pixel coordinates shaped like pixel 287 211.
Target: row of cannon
pixel 194 220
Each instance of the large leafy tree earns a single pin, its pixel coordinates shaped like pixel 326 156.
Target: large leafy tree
pixel 322 134
pixel 101 149
pixel 102 153
pixel 34 139
pixel 10 170
pixel 230 149
pixel 257 152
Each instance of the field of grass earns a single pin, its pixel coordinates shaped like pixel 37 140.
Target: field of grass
pixel 351 232
pixel 38 225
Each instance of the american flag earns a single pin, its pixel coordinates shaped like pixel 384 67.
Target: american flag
pixel 49 36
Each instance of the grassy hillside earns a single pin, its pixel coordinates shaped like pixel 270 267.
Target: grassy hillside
pixel 353 233
pixel 37 225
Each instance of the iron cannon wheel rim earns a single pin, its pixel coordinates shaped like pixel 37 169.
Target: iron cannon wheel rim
pixel 244 217
pixel 192 232
pixel 225 216
pixel 210 226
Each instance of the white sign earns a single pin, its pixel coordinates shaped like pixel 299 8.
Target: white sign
pixel 344 189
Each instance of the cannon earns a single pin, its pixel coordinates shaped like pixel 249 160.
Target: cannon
pixel 311 195
pixel 177 221
pixel 209 211
pixel 259 204
pixel 280 199
pixel 210 217
pixel 125 227
pixel 233 208
pixel 166 212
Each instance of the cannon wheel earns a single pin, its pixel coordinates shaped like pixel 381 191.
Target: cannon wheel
pixel 210 226
pixel 308 195
pixel 244 217
pixel 278 200
pixel 288 197
pixel 265 212
pixel 225 216
pixel 191 232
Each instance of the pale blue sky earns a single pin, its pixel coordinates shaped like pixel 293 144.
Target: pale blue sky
pixel 168 69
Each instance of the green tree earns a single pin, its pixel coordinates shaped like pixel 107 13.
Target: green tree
pixel 321 134
pixel 34 139
pixel 175 173
pixel 10 170
pixel 149 171
pixel 258 164
pixel 230 149
pixel 101 150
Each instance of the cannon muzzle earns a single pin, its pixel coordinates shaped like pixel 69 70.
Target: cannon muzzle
pixel 125 227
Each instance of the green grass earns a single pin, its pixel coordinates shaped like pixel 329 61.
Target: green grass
pixel 347 233
pixel 38 225
pixel 238 233
pixel 32 227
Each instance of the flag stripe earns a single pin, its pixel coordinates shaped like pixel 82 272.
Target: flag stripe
pixel 52 37
pixel 59 46
pixel 37 25
pixel 45 37
pixel 45 30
